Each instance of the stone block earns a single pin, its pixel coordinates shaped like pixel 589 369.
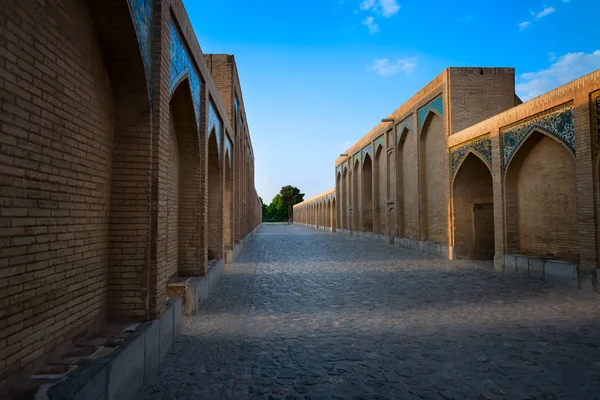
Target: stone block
pixel 510 264
pixel 556 270
pixel 126 376
pixel 152 350
pixel 177 317
pixel 444 252
pixel 166 332
pixel 522 266
pixel 536 268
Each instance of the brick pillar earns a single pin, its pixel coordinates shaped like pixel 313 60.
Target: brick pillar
pixel 499 204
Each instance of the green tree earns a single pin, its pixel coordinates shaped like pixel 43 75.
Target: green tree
pixel 290 196
pixel 275 210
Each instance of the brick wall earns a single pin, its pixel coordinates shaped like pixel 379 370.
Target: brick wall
pixel 55 159
pixel 479 93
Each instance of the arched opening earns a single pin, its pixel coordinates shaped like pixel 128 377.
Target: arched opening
pixel 333 216
pixel 380 209
pixel 338 189
pixel 434 180
pixel 473 208
pixel 215 201
pixel 132 262
pixel 328 216
pixel 228 203
pixel 344 200
pixel 541 200
pixel 355 202
pixel 407 185
pixel 367 194
pixel 318 215
pixel 183 187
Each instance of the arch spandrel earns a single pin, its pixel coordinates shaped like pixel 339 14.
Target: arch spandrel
pixel 557 122
pixel 181 66
pixel 435 106
pixel 142 13
pixel 481 146
pixel 405 125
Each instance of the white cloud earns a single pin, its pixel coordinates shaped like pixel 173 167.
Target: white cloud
pixel 346 145
pixel 524 25
pixel 384 67
pixel 538 15
pixel 369 22
pixel 387 8
pixel 544 13
pixel 566 68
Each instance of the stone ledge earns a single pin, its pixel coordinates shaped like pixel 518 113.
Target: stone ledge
pixel 123 371
pixel 435 249
pixel 551 270
pixel 194 291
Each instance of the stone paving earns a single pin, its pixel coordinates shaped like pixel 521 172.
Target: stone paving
pixel 312 315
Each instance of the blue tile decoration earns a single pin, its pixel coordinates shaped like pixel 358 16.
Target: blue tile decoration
pixel 214 123
pixel 558 122
pixel 338 170
pixel 436 104
pixel 406 123
pixel 229 149
pixel 481 145
pixel 368 149
pixel 356 159
pixel 380 141
pixel 142 12
pixel 595 104
pixel 181 65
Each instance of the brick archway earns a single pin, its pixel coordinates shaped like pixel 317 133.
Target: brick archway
pixel 473 208
pixel 380 199
pixel 215 200
pixel 433 180
pixel 407 183
pixel 541 200
pixel 367 194
pixel 184 187
pixel 228 239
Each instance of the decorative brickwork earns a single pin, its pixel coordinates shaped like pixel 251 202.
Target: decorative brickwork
pixel 595 112
pixel 558 122
pixel 406 123
pixel 480 145
pixel 143 12
pixel 181 65
pixel 436 104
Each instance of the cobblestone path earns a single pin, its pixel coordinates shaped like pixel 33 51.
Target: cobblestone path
pixel 308 314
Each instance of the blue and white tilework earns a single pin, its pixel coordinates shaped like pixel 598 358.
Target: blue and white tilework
pixel 406 123
pixel 142 12
pixel 596 121
pixel 436 104
pixel 181 65
pixel 214 122
pixel 356 159
pixel 368 149
pixel 380 141
pixel 229 150
pixel 558 122
pixel 480 145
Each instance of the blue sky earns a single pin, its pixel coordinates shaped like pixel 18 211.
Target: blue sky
pixel 317 75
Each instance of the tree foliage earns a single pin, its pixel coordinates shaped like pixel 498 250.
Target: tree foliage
pixel 281 207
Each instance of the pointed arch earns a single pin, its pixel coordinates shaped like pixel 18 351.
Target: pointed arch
pixel 473 209
pixel 215 201
pixel 355 193
pixel 334 223
pixel 380 197
pixel 344 204
pixel 541 200
pixel 407 186
pixel 434 180
pixel 367 193
pixel 183 187
pixel 475 153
